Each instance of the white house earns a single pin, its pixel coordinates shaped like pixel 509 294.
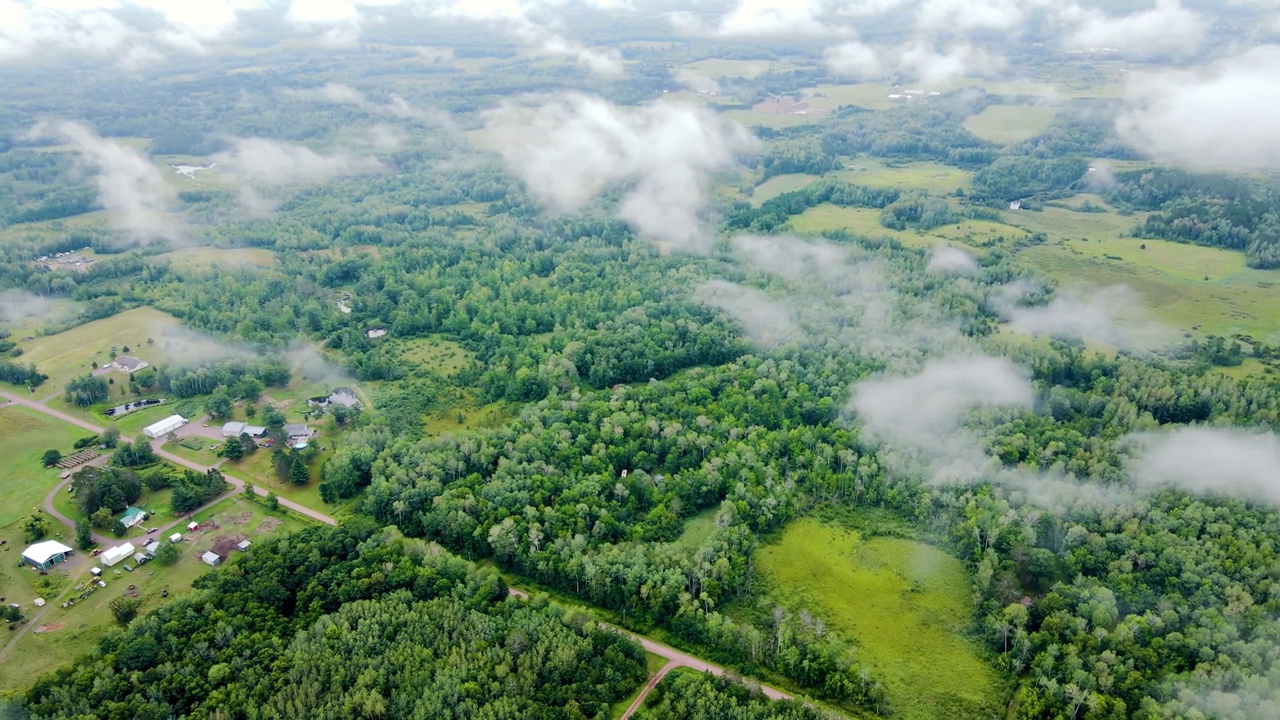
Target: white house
pixel 114 555
pixel 211 558
pixel 128 365
pixel 164 427
pixel 45 555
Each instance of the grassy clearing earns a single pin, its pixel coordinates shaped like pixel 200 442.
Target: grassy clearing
pixel 78 628
pixel 68 354
pixel 204 257
pixel 697 529
pixel 714 68
pixel 469 417
pixel 866 222
pixel 934 177
pixel 1179 260
pixel 24 436
pixel 1009 124
pixel 1058 222
pixel 903 602
pixel 767 119
pixel 775 186
pixel 437 354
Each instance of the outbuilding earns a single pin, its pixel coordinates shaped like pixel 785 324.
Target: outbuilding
pixel 45 555
pixel 235 429
pixel 175 538
pixel 164 427
pixel 193 526
pixel 113 556
pixel 243 545
pixel 211 559
pixel 152 547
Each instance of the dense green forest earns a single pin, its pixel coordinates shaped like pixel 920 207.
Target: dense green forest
pixel 640 409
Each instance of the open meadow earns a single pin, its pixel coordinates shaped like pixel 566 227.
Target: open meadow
pixel 69 354
pixel 905 604
pixel 24 437
pixel 1009 124
pixel 206 257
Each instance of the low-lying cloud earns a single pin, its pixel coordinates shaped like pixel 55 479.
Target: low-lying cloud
pixel 261 167
pixel 1111 315
pixel 133 191
pixel 571 149
pixel 18 305
pixel 1224 115
pixel 947 260
pixel 339 94
pixel 1210 461
pixel 768 322
pixel 1166 29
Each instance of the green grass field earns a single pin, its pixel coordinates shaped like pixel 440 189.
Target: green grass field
pixel 73 631
pixel 866 222
pixel 204 257
pixel 933 177
pixel 697 529
pixel 777 185
pixel 24 436
pixel 68 354
pixel 1009 124
pixel 728 68
pixel 904 603
pixel 437 354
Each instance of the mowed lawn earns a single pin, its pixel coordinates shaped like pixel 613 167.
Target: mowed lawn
pixel 1008 124
pixel 69 354
pixel 24 437
pixel 904 603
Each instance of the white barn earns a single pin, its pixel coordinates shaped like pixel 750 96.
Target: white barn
pixel 164 427
pixel 45 555
pixel 114 555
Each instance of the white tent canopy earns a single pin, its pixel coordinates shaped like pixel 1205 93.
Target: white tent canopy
pixel 43 552
pixel 164 427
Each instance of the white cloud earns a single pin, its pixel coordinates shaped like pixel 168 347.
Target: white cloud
pixel 571 149
pixel 1206 460
pixel 340 94
pixel 930 66
pixel 855 60
pixel 947 260
pixel 962 16
pixel 1222 115
pixel 261 166
pixel 131 189
pixel 1166 29
pixel 774 17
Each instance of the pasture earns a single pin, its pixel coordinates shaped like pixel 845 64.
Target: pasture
pixel 206 257
pixel 866 222
pixel 779 184
pixel 904 603
pixel 68 354
pixel 1009 124
pixel 933 177
pixel 24 436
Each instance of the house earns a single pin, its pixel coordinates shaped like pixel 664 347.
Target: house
pixel 164 427
pixel 243 545
pixel 153 546
pixel 298 433
pixel 236 429
pixel 113 556
pixel 211 558
pixel 133 516
pixel 45 555
pixel 175 538
pixel 128 365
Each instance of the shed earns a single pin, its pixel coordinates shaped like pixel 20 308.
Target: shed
pixel 211 559
pixel 152 547
pixel 141 558
pixel 45 555
pixel 243 545
pixel 113 556
pixel 133 516
pixel 193 526
pixel 176 537
pixel 164 427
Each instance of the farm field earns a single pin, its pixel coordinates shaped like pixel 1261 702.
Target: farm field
pixel 1063 223
pixel 1009 124
pixel 866 222
pixel 68 354
pixel 24 436
pixel 931 176
pixel 904 603
pixel 779 184
pixel 73 631
pixel 203 257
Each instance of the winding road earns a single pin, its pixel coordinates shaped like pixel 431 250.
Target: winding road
pixel 674 657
